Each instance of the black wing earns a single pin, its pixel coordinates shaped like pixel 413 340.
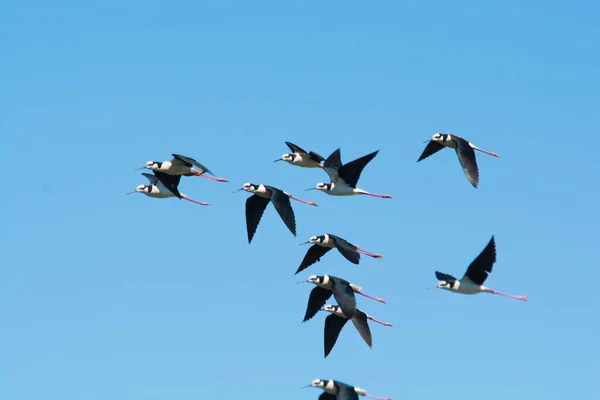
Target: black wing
pixel 190 161
pixel 313 255
pixel 153 179
pixel 333 327
pixel 326 396
pixel 361 323
pixel 346 248
pixel 315 156
pixel 480 267
pixel 445 277
pixel 344 295
pixel 295 149
pixel 466 156
pixel 351 171
pixel 431 148
pixel 345 392
pixel 255 207
pixel 316 300
pixel 169 181
pixel 333 164
pixel 283 206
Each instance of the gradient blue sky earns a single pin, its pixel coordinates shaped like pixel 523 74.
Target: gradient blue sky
pixel 107 296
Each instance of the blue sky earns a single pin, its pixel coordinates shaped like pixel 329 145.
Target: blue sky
pixel 125 297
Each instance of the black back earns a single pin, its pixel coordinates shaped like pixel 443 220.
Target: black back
pixel 345 392
pixel 313 255
pixel 255 207
pixel 431 148
pixel 171 182
pixel 282 204
pixel 333 326
pixel 326 396
pixel 346 249
pixel 153 179
pixel 316 300
pixel 315 156
pixel 480 267
pixel 445 277
pixel 351 172
pixel 295 149
pixel 361 323
pixel 191 162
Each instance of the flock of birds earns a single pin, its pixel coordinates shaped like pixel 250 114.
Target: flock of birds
pixel 164 183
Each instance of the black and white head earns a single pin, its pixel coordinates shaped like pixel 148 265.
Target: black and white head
pixel 325 187
pixel 320 383
pixel 249 187
pixel 331 308
pixel 153 165
pixel 143 189
pixel 316 279
pixel 316 239
pixel 444 285
pixel 287 157
pixel 438 137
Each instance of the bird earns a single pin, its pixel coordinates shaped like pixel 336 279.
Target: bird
pixel 477 273
pixel 182 165
pixel 342 290
pixel 343 178
pixel 301 157
pixel 335 322
pixel 256 204
pixel 324 243
pixel 163 186
pixel 336 390
pixel 464 150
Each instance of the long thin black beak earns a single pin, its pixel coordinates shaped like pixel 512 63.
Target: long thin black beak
pixel 137 169
pixel 426 141
pixel 303 282
pixel 303 243
pixel 307 386
pixel 431 288
pixel 238 190
pixel 130 192
pixel 311 189
pixel 279 159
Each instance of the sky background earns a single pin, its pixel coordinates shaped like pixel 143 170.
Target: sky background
pixel 107 296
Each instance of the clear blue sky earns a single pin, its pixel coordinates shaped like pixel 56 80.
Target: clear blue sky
pixel 107 296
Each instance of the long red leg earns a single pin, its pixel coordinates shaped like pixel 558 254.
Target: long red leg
pixel 379 322
pixel 381 196
pixel 194 201
pixel 203 175
pixel 312 203
pixel 378 256
pixel 522 298
pixel 371 297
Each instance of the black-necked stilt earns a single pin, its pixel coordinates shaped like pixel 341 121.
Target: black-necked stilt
pixel 342 290
pixel 343 178
pixel 182 165
pixel 326 242
pixel 335 322
pixel 477 273
pixel 301 157
pixel 163 186
pixel 336 390
pixel 256 204
pixel 464 150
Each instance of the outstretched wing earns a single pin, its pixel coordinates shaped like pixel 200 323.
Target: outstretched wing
pixel 255 207
pixel 361 323
pixel 350 172
pixel 316 300
pixel 313 255
pixel 480 268
pixel 326 396
pixel 431 148
pixel 445 277
pixel 344 295
pixel 333 164
pixel 466 156
pixel 169 181
pixel 346 248
pixel 153 179
pixel 282 204
pixel 345 392
pixel 178 158
pixel 315 156
pixel 295 149
pixel 333 327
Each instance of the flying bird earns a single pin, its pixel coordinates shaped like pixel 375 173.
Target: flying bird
pixel 343 178
pixel 477 273
pixel 336 390
pixel 324 243
pixel 257 203
pixel 301 157
pixel 464 150
pixel 163 186
pixel 182 165
pixel 342 290
pixel 335 322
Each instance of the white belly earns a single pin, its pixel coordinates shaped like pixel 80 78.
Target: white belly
pixel 342 190
pixel 175 169
pixel 160 192
pixel 466 287
pixel 305 162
